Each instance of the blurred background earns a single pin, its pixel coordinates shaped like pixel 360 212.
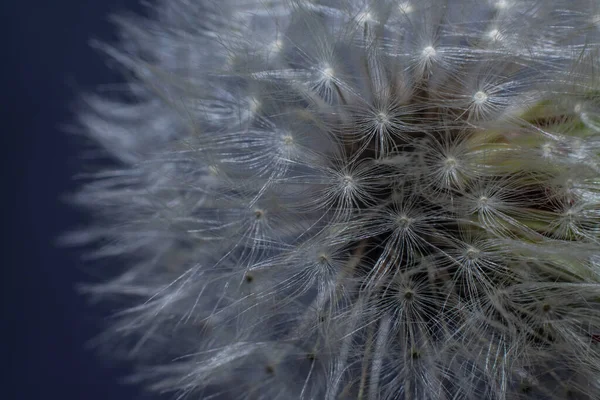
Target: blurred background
pixel 46 61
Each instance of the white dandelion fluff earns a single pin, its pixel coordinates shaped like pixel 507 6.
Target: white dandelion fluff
pixel 362 199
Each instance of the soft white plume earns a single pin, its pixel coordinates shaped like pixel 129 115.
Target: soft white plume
pixel 354 199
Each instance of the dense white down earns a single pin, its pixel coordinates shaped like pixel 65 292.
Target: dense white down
pixel 353 199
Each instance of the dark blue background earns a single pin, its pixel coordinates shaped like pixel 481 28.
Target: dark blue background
pixel 45 325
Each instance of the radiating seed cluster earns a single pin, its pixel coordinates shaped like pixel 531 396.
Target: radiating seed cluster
pixel 354 199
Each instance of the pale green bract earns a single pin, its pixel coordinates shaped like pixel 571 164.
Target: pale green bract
pixel 353 199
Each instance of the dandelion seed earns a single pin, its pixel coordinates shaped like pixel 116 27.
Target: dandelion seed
pixel 254 105
pixel 480 98
pixel 547 150
pixel 494 34
pixel 382 122
pixel 429 52
pixel 502 4
pixel 277 45
pixel 364 17
pixel 405 7
pixel 327 73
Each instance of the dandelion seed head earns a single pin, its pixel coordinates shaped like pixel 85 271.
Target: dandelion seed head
pixel 352 199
